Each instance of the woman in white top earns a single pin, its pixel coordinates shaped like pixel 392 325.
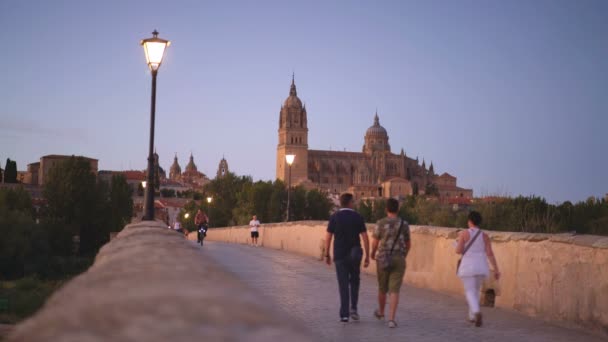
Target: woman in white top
pixel 476 248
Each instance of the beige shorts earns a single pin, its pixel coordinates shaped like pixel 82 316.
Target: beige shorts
pixel 390 281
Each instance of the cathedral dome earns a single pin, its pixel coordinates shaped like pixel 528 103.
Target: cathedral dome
pixel 191 166
pixel 376 129
pixel 376 138
pixel 293 101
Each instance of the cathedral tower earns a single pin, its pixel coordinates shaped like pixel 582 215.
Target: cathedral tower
pixel 175 171
pixel 222 169
pixel 293 138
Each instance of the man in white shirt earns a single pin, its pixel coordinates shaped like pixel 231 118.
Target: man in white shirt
pixel 254 224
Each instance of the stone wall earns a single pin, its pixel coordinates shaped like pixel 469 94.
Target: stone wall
pixel 560 278
pixel 150 284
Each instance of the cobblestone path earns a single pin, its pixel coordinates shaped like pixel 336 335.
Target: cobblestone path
pixel 306 290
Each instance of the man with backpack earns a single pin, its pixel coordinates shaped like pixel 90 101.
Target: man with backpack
pixel 391 239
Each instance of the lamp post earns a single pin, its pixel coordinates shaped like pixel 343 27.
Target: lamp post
pixel 289 159
pixel 155 49
pixel 209 200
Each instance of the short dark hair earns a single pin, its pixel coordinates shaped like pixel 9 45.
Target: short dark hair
pixel 475 217
pixel 392 205
pixel 346 199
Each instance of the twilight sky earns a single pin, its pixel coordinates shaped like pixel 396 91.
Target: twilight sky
pixel 509 96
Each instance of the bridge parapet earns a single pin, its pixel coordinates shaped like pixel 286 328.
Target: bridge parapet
pixel 561 278
pixel 150 284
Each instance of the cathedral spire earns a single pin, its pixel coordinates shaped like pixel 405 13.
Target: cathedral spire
pixel 376 119
pixel 292 90
pixel 431 169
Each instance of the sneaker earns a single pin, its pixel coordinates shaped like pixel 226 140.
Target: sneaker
pixel 378 315
pixel 344 319
pixel 392 324
pixel 478 320
pixel 354 315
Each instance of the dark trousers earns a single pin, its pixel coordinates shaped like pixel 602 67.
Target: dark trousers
pixel 348 270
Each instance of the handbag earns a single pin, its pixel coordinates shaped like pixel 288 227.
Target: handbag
pixel 386 263
pixel 466 248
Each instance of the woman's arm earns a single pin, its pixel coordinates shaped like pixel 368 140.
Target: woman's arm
pixel 463 236
pixel 490 254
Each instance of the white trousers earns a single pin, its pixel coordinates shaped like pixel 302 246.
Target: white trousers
pixel 472 287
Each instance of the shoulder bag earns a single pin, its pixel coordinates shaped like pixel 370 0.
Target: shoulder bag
pixel 466 248
pixel 386 262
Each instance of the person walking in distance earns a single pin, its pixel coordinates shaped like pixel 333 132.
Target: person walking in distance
pixel 254 224
pixel 391 239
pixel 200 221
pixel 346 227
pixel 475 248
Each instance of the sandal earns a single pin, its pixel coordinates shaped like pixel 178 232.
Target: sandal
pixel 392 324
pixel 378 315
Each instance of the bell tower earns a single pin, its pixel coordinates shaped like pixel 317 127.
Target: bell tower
pixel 293 138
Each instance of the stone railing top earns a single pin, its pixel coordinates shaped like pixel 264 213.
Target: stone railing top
pixel 594 241
pixel 150 284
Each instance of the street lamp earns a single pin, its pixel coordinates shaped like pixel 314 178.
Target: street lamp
pixel 289 159
pixel 186 215
pixel 209 200
pixel 155 49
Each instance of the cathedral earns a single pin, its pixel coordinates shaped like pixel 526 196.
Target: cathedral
pixel 191 176
pixel 373 172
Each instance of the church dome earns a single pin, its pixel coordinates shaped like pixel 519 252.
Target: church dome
pixel 191 166
pixel 293 101
pixel 376 138
pixel 376 129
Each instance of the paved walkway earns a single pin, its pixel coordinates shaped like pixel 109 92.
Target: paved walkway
pixel 306 290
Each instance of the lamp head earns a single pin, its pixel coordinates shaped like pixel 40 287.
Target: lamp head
pixel 155 50
pixel 290 158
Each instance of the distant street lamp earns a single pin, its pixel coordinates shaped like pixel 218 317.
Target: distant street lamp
pixel 155 49
pixel 209 200
pixel 186 215
pixel 289 159
pixel 143 184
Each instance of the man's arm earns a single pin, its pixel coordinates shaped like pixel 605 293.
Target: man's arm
pixel 366 246
pixel 375 243
pixel 328 237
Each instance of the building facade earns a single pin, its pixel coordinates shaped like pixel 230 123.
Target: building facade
pixel 374 172
pixel 37 172
pixel 191 177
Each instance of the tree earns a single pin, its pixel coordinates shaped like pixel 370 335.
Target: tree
pixel 167 192
pixel 121 203
pixel 298 204
pixel 318 205
pixel 431 190
pixel 278 202
pixel 365 210
pixel 76 200
pixel 10 171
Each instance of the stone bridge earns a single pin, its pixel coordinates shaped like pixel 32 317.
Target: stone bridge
pixel 150 284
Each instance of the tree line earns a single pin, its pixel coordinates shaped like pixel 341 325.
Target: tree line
pixel 237 198
pixel 530 214
pixel 60 237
